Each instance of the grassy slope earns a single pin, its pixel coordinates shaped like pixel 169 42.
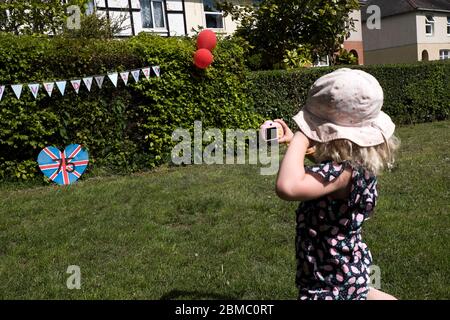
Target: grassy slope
pixel 216 232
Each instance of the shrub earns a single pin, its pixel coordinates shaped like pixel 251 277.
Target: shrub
pixel 125 128
pixel 96 119
pixel 215 96
pixel 414 93
pixel 129 127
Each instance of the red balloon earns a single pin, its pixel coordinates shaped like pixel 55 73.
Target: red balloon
pixel 203 58
pixel 207 40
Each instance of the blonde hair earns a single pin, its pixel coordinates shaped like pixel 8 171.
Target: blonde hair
pixel 375 159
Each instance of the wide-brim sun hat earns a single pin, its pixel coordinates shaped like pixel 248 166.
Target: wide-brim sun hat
pixel 346 104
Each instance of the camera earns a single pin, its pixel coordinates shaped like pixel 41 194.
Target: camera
pixel 271 131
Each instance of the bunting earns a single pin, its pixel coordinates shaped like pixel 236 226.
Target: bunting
pixel 48 87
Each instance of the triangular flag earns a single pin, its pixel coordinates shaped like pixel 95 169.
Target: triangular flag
pixel 124 76
pixel 146 72
pixel 17 88
pixel 61 86
pixel 136 74
pixel 88 82
pixel 157 70
pixel 48 86
pixel 76 85
pixel 113 77
pixel 34 87
pixel 99 80
pixel 2 90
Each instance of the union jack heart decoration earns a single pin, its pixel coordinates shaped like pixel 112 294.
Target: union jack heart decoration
pixel 64 167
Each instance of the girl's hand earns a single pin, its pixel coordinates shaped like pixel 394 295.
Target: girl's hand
pixel 288 134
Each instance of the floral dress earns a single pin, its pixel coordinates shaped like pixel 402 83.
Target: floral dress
pixel 332 259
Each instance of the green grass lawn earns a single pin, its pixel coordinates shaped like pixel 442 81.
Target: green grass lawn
pixel 216 232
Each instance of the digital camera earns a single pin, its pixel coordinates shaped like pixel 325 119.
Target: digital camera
pixel 271 131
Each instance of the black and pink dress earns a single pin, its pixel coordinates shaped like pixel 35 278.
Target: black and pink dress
pixel 332 258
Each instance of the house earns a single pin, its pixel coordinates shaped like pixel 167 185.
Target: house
pixel 166 17
pixel 180 17
pixel 410 31
pixel 354 43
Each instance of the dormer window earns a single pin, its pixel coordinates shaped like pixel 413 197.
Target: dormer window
pixel 429 25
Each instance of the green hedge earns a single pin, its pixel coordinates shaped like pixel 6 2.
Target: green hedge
pixel 124 128
pixel 129 128
pixel 414 93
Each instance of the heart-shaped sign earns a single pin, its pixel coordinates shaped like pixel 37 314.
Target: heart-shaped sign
pixel 63 167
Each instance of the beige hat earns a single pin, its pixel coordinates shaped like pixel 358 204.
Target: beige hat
pixel 346 104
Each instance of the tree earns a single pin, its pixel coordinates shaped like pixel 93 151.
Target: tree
pixel 276 27
pixel 35 16
pixel 98 27
pixel 51 16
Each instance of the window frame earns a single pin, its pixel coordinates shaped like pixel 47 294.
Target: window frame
pixel 321 61
pixel 152 8
pixel 448 26
pixel 429 23
pixel 443 56
pixel 91 7
pixel 216 13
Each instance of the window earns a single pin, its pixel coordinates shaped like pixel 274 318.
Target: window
pixel 214 18
pixel 448 26
pixel 444 54
pixel 90 7
pixel 429 25
pixel 322 61
pixel 152 14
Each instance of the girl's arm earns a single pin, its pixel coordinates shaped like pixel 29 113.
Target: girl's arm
pixel 293 183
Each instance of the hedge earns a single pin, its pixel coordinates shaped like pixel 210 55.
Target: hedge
pixel 414 93
pixel 129 128
pixel 124 128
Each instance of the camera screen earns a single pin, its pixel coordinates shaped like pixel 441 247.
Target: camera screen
pixel 271 134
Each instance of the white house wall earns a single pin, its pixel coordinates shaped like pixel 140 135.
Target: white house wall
pixel 192 10
pixel 195 18
pixel 433 44
pixel 356 35
pixel 440 28
pixel 193 13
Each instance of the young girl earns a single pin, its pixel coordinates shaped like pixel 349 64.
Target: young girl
pixel 352 140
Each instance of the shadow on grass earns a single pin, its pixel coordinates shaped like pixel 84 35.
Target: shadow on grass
pixel 196 295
